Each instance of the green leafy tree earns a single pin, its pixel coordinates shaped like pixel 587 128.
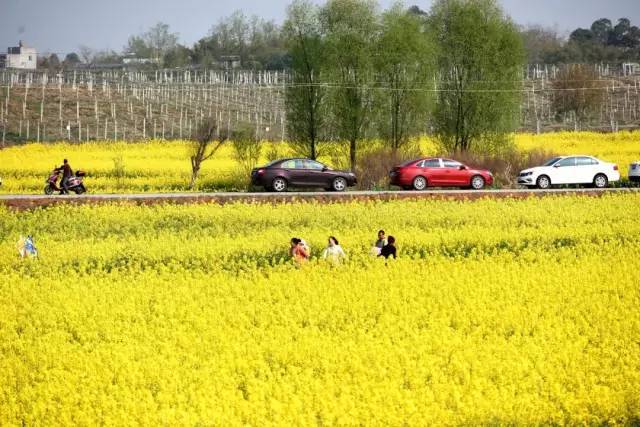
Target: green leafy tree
pixel 71 60
pixel 602 30
pixel 350 28
pixel 305 96
pixel 179 56
pixel 604 42
pixel 480 62
pixel 138 47
pixel 405 66
pixel 54 62
pixel 160 40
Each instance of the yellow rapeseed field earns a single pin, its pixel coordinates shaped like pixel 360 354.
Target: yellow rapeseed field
pixel 164 166
pixel 496 312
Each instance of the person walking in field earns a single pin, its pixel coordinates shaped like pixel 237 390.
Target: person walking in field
pixel 26 247
pixel 299 251
pixel 379 244
pixel 334 252
pixel 389 249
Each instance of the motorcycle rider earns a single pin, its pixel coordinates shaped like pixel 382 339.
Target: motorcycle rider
pixel 67 172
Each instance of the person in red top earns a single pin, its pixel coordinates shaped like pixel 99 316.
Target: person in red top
pixel 299 251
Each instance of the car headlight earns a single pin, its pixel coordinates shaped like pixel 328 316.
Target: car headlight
pixel 526 174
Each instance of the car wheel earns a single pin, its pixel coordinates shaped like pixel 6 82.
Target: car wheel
pixel 477 182
pixel 544 183
pixel 600 181
pixel 339 184
pixel 419 183
pixel 279 185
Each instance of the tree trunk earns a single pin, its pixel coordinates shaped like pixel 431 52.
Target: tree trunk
pixel 352 154
pixel 194 176
pixel 195 168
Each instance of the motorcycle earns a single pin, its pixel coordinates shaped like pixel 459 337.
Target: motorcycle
pixel 74 183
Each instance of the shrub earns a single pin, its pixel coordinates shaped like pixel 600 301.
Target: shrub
pixel 119 171
pixel 374 166
pixel 505 166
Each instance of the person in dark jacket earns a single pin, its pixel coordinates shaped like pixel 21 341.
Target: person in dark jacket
pixel 67 172
pixel 389 249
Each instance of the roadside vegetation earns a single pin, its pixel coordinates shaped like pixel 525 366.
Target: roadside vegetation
pixel 158 166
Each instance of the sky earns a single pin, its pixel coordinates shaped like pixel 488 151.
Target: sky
pixel 60 26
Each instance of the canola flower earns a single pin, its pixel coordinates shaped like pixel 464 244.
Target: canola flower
pixel 159 166
pixel 496 312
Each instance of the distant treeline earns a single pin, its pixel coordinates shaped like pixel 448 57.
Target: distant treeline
pixel 261 44
pixel 602 42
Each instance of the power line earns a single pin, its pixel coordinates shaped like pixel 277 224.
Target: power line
pixel 55 86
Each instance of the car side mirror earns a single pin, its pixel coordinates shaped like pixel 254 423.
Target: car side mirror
pixel 463 168
pixel 556 165
pixel 324 169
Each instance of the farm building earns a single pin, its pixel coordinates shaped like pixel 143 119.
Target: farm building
pixel 231 62
pixel 131 59
pixel 20 57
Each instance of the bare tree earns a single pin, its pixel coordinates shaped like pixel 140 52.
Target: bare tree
pixel 154 43
pixel 206 143
pixel 579 92
pixel 86 54
pixel 159 40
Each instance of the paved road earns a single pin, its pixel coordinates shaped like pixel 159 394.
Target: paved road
pixel 32 201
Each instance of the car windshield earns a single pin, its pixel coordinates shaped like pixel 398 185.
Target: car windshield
pixel 552 161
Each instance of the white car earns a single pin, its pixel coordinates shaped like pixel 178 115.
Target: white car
pixel 634 172
pixel 567 170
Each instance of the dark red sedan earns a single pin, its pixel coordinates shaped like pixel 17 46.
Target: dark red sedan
pixel 284 173
pixel 436 172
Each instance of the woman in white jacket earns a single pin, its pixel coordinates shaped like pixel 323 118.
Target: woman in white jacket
pixel 334 252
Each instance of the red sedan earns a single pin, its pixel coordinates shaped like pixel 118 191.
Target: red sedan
pixel 434 172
